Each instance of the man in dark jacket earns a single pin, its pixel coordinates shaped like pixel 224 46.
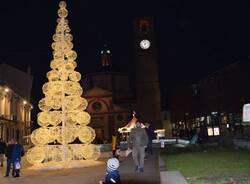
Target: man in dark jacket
pixel 8 154
pixel 139 139
pixel 151 137
pixel 2 151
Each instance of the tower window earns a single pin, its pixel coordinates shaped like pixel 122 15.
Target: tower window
pixel 144 26
pixel 106 57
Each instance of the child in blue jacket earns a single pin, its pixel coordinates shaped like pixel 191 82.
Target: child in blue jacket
pixel 112 174
pixel 17 153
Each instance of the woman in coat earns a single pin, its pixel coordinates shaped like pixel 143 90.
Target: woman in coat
pixel 17 153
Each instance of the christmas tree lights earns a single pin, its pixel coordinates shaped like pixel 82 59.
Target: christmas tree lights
pixel 62 117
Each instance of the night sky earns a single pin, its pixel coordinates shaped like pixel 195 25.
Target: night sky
pixel 194 38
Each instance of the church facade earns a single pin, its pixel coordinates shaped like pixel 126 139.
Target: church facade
pixel 106 116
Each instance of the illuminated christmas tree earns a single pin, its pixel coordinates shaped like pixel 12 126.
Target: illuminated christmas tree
pixel 63 118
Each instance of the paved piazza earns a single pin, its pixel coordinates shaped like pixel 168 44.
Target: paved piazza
pixel 90 175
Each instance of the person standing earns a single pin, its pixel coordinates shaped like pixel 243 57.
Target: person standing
pixel 2 151
pixel 17 153
pixel 138 140
pixel 113 144
pixel 151 136
pixel 8 155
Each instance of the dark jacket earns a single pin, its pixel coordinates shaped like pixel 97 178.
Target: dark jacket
pixel 138 137
pixel 8 151
pixel 112 177
pixel 150 133
pixel 2 147
pixel 17 152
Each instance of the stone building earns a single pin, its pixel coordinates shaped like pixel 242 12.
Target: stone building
pixel 148 94
pixel 116 94
pixel 110 98
pixel 215 102
pixel 15 106
pixel 106 116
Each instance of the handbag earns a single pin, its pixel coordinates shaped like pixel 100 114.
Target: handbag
pixel 17 165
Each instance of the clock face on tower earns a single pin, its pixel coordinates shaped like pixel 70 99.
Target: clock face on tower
pixel 145 44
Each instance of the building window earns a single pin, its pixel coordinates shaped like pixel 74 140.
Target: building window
pixel 144 26
pixel 97 106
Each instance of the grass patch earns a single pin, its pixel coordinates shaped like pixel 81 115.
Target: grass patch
pixel 209 164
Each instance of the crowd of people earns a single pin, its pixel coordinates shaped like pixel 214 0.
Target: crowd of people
pixel 13 151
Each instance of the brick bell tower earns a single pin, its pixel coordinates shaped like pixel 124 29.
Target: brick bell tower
pixel 148 98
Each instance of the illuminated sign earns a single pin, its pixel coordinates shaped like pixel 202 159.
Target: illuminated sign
pixel 216 131
pixel 210 131
pixel 246 113
pixel 213 131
